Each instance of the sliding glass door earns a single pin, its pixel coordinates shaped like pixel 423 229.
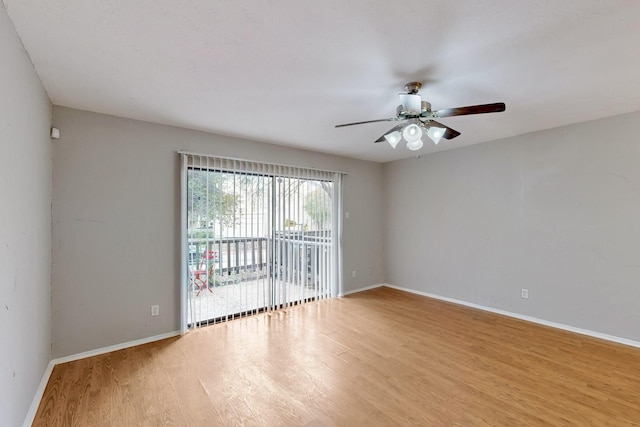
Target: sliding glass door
pixel 258 237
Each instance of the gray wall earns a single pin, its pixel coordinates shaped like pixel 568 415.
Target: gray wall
pixel 116 223
pixel 556 212
pixel 25 227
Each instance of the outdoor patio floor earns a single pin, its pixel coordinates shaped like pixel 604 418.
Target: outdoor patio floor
pixel 248 296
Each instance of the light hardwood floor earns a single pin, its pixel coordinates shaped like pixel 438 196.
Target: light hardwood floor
pixel 381 357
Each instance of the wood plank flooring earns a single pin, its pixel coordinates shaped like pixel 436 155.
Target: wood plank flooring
pixel 381 357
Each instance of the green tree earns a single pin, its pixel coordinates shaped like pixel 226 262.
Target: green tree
pixel 317 204
pixel 212 198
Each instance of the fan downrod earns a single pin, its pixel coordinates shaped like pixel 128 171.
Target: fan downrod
pixel 413 87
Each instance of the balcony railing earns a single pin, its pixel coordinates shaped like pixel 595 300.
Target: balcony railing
pixel 297 256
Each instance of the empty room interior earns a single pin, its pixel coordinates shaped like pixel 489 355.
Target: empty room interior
pixel 319 213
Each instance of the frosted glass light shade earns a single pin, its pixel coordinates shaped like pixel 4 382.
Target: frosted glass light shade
pixel 411 103
pixel 393 138
pixel 436 134
pixel 415 145
pixel 412 133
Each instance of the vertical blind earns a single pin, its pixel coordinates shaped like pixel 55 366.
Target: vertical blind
pixel 256 237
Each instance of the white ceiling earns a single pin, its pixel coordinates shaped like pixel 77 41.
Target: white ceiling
pixel 287 71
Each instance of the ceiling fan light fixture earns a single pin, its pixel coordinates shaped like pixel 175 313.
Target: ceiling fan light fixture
pixel 436 134
pixel 393 138
pixel 418 118
pixel 411 103
pixel 412 133
pixel 415 145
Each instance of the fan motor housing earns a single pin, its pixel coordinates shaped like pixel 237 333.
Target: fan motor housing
pixel 413 87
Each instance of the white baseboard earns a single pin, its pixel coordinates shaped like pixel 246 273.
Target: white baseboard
pixel 28 421
pixel 532 319
pixel 115 347
pixel 363 289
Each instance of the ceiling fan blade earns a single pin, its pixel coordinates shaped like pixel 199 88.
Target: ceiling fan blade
pixel 472 109
pixel 448 134
pixel 393 119
pixel 395 128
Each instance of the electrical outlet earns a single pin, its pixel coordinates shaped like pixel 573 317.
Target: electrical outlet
pixel 155 310
pixel 525 293
pixel 353 273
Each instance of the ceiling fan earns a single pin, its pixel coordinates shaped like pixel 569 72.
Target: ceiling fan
pixel 418 118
